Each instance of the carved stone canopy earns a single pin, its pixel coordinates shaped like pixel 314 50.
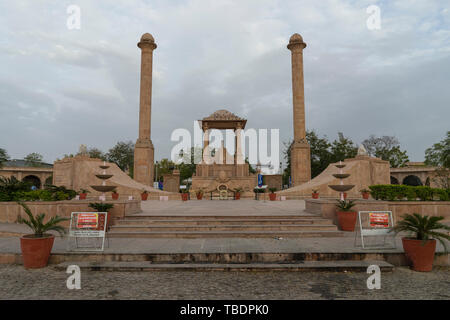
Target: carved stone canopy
pixel 222 119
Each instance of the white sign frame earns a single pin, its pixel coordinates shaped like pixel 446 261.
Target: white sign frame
pixel 375 231
pixel 88 233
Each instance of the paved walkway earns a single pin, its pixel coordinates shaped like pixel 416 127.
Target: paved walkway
pixel 217 245
pixel 48 283
pixel 243 207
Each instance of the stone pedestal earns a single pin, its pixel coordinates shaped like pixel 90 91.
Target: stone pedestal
pixel 143 162
pixel 171 181
pixel 300 163
pixel 273 181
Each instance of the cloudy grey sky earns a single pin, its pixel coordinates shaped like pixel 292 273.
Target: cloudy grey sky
pixel 60 88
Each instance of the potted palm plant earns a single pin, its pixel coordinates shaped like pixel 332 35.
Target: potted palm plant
pixel 315 194
pixel 365 193
pixel 199 194
pixel 346 217
pixel 144 195
pixel 237 193
pixel 272 195
pixel 115 195
pixel 36 247
pixel 83 194
pixel 102 207
pixel 420 246
pixel 184 194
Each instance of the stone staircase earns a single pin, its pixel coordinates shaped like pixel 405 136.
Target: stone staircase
pixel 214 226
pixel 295 266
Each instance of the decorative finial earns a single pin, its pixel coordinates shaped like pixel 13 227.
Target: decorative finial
pixel 362 151
pixel 83 150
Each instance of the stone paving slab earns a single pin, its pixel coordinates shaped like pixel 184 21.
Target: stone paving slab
pixel 243 207
pixel 306 266
pixel 218 245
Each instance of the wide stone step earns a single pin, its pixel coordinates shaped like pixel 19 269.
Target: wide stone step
pixel 299 266
pixel 224 234
pixel 221 227
pixel 188 222
pixel 216 217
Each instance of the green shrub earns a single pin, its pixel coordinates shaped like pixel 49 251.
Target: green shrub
pixel 398 192
pixel 444 195
pixel 37 195
pixel 424 193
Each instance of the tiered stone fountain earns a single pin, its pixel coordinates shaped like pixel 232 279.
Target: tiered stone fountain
pixel 341 187
pixel 103 176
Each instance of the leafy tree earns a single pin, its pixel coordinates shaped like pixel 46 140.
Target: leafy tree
pixel 442 177
pixel 287 157
pixel 386 148
pixel 342 148
pixel 250 167
pixel 164 166
pixel 321 155
pixel 439 154
pixel 34 159
pixel 96 153
pixel 122 154
pixel 3 156
pixel 188 166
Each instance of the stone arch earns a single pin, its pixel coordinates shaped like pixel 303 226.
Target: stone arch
pixel 33 180
pixel 49 180
pixel 412 180
pixel 394 180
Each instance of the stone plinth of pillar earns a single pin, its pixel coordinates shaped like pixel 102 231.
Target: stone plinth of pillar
pixel 300 150
pixel 143 162
pixel 144 150
pixel 300 162
pixel 171 181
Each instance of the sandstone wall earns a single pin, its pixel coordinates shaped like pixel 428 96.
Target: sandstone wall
pixel 364 171
pixel 10 210
pixel 79 172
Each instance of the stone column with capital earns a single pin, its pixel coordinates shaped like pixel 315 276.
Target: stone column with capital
pixel 144 150
pixel 206 152
pixel 300 150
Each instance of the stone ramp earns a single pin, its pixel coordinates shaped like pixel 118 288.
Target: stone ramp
pixel 364 171
pixel 86 168
pixel 126 186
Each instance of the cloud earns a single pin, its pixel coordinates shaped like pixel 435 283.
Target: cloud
pixel 61 88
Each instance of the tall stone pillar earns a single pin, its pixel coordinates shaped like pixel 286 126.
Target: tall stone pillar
pixel 300 150
pixel 144 150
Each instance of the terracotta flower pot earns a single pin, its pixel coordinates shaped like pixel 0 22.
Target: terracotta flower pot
pixel 237 195
pixel 421 256
pixel 315 195
pixel 115 196
pixel 199 196
pixel 347 220
pixel 36 251
pixel 83 196
pixel 184 196
pixel 144 196
pixel 272 196
pixel 365 195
